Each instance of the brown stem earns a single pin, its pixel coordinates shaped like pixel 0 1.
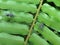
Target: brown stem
pixel 30 31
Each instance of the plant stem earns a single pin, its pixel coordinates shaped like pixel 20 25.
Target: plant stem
pixel 30 31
